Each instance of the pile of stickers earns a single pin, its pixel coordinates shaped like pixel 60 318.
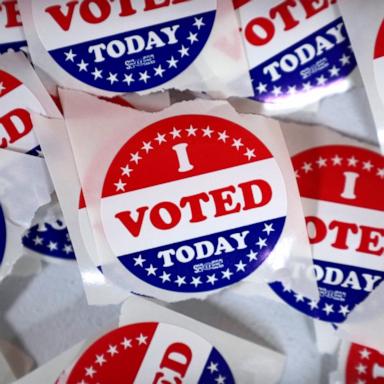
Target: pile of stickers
pixel 136 140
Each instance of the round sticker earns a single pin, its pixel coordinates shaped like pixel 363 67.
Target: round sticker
pixel 11 31
pixel 50 239
pixel 378 63
pixel 3 236
pixel 15 122
pixel 364 365
pixel 151 353
pixel 193 203
pixel 340 187
pixel 123 46
pixel 294 49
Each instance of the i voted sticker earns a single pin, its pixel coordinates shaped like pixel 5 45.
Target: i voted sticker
pixel 364 365
pixel 340 187
pixel 16 129
pixel 295 47
pixel 193 203
pixel 151 353
pixel 378 63
pixel 11 30
pixel 50 239
pixel 124 46
pixel 3 236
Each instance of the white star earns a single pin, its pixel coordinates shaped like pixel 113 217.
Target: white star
pixel 135 157
pixel 223 136
pixel 128 79
pixel 268 228
pixel 250 153
pixel 261 88
pixel 336 160
pixel 307 86
pixel 183 51
pixel 334 71
pixel 380 172
pixel 211 279
pixel 220 379
pixel 352 161
pixel 364 353
pixel 126 343
pixel 191 131
pixel 120 186
pixel 69 56
pixel 299 297
pixel 361 368
pixel 144 76
pixel 126 171
pixel 286 288
pixel 160 138
pixel 321 162
pixel 307 167
pixel 112 350
pixel 159 71
pixel 192 37
pixel 297 173
pixel 213 367
pixel 139 261
pixel 328 308
pixel 2 88
pixel 38 240
pixel 52 246
pixel 112 78
pixel 367 165
pixel 237 143
pixel 240 266
pixel 292 90
pixel 67 248
pixel 100 359
pixel 165 277
pixel 196 281
pixel 175 133
pixel 198 23
pixel 151 270
pixel 345 59
pixel 83 66
pixel 97 74
pixel 172 63
pixel 344 310
pixel 207 132
pixel 146 146
pixel 90 371
pixel 252 255
pixel 226 274
pixel 261 243
pixel 313 304
pixel 360 381
pixel 142 339
pixel 321 80
pixel 180 280
pixel 276 91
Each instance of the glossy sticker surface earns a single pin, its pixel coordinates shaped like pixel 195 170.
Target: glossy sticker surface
pixel 193 203
pixel 364 365
pixel 340 187
pixel 151 353
pixel 11 30
pixel 124 46
pixel 294 47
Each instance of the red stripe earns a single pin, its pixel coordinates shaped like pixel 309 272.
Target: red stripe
pixel 8 82
pixel 239 3
pixel 379 46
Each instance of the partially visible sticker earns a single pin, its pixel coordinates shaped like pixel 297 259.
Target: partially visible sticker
pixel 11 30
pixel 364 365
pixel 16 129
pixel 181 219
pixel 378 63
pixel 341 190
pixel 151 353
pixel 124 47
pixel 3 236
pixel 294 48
pixel 50 239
